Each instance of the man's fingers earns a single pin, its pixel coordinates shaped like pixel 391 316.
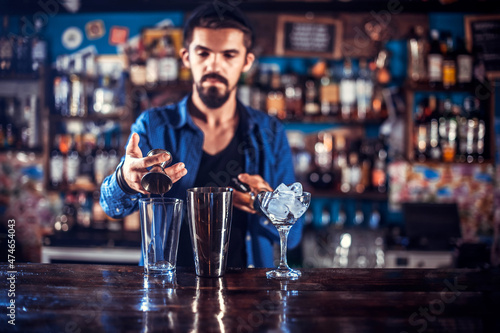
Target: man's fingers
pixel 133 146
pixel 155 159
pixel 176 171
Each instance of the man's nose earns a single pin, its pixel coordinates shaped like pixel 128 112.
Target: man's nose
pixel 213 65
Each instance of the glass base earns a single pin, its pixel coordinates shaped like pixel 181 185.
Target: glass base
pixel 289 274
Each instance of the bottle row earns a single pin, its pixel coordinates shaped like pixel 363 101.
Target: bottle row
pixel 19 123
pixel 342 164
pixel 449 132
pixel 336 91
pixel 24 53
pixel 442 61
pixel 82 86
pixel 81 210
pixel 83 160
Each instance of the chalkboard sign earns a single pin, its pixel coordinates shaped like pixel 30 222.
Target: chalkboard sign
pixel 483 33
pixel 315 37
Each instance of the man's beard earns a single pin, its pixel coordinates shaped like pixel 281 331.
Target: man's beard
pixel 210 96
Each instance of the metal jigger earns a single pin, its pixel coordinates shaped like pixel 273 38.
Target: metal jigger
pixel 156 181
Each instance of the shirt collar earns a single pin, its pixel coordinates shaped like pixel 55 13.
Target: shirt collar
pixel 186 119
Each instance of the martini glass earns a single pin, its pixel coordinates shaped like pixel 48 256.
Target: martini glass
pixel 283 221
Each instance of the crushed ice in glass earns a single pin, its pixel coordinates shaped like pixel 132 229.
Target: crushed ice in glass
pixel 283 201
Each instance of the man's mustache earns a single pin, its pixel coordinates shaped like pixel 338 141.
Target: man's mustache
pixel 214 76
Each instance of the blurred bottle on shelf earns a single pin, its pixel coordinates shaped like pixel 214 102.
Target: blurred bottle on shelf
pixel 56 164
pixel 448 131
pixel 321 176
pixel 6 49
pixel 465 62
pixel 347 91
pixel 311 104
pixel 275 101
pixel 449 62
pixel 293 97
pixel 72 163
pixel 379 170
pixel 62 86
pixel 39 48
pixel 22 50
pixel 435 60
pixel 168 64
pixel 364 90
pixel 329 95
pixel 417 52
pixel 77 97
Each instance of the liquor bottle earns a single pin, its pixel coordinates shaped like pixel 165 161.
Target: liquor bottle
pixel 100 163
pixel 84 210
pixel 435 60
pixel 347 91
pixel 417 48
pixel 379 175
pixel 6 49
pixel 311 105
pixel 355 170
pixel 322 176
pixel 56 164
pixel 77 100
pixel 99 217
pixel 420 133
pixel 62 86
pixel 364 90
pixel 374 221
pixel 448 132
pixel 341 218
pixel 325 216
pixel 293 97
pixel 329 95
pixel 464 64
pixel 275 101
pixel 358 217
pixel 22 51
pixel 113 157
pixel 449 64
pixel 339 162
pixel 72 164
pixel 434 152
pixel 168 65
pixel 104 97
pixel 38 49
pixel 87 163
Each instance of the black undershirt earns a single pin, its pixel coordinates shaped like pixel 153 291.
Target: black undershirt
pixel 217 171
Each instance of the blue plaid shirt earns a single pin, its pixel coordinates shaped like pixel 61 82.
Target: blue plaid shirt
pixel 266 152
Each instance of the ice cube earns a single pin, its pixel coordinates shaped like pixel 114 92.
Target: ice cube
pixel 285 197
pixel 297 208
pixel 278 209
pixel 296 188
pixel 282 187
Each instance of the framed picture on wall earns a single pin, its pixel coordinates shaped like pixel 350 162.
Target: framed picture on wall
pixel 482 34
pixel 301 36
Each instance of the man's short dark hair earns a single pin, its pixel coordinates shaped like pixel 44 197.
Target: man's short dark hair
pixel 219 16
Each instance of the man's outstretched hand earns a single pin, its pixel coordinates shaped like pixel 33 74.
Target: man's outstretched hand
pixel 135 165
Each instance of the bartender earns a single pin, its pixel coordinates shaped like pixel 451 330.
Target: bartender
pixel 213 137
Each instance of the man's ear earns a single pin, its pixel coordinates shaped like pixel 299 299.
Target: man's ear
pixel 184 54
pixel 250 57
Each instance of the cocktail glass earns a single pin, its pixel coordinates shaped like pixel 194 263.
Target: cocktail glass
pixel 284 222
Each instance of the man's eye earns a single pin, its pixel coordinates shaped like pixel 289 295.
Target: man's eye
pixel 229 55
pixel 203 54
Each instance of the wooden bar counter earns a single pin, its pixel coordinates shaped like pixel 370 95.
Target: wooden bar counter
pixel 96 298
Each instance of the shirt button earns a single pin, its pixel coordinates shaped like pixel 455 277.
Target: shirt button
pixel 117 210
pixel 248 238
pixel 266 222
pixel 251 266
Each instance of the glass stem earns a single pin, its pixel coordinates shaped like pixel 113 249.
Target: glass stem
pixel 283 231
